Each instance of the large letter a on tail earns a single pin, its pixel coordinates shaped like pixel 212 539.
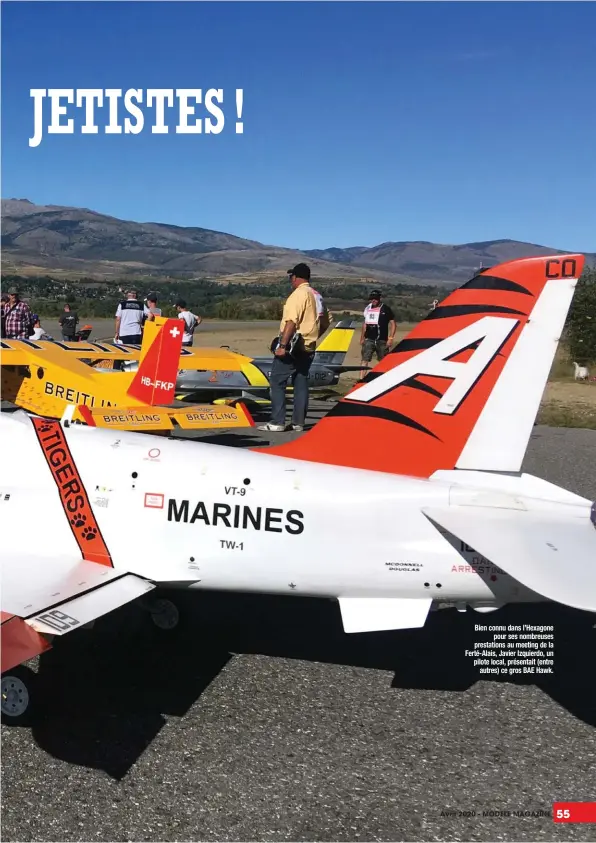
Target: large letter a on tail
pixel 485 338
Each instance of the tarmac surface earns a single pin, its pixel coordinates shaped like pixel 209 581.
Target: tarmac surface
pixel 259 719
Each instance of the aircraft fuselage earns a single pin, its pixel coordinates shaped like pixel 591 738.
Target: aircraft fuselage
pixel 194 381
pixel 206 516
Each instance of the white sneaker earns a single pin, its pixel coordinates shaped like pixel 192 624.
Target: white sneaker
pixel 273 428
pixel 298 427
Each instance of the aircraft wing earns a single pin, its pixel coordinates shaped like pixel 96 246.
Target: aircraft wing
pixel 54 595
pixel 26 352
pixel 213 359
pixel 188 389
pixel 552 555
pixel 22 352
pixel 189 417
pixel 12 356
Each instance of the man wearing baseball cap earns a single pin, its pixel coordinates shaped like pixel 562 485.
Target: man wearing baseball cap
pixel 378 330
pixel 17 317
pixel 304 319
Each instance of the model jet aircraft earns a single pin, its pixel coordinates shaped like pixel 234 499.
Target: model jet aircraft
pixel 431 442
pixel 252 379
pixel 48 378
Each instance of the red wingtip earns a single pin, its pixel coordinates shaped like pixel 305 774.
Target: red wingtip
pixel 20 643
pixel 247 413
pixel 87 415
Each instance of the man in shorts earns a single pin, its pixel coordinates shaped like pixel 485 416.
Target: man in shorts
pixel 378 330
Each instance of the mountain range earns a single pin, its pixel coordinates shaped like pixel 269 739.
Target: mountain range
pixel 77 242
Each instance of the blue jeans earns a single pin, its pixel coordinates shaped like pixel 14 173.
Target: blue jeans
pixel 282 370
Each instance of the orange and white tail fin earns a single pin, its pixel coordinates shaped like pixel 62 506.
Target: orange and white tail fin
pixel 155 379
pixel 462 390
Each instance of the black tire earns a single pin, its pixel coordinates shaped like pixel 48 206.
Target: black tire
pixel 20 685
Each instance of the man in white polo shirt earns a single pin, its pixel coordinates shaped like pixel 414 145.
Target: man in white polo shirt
pixel 130 318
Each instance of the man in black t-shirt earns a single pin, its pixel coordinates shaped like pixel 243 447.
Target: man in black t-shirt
pixel 378 330
pixel 68 324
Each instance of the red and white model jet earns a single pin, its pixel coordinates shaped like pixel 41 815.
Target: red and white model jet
pixel 432 441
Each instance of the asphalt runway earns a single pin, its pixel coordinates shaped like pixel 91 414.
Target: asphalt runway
pixel 259 719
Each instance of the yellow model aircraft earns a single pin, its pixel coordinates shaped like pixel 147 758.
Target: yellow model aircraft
pixel 250 378
pixel 47 378
pixel 252 381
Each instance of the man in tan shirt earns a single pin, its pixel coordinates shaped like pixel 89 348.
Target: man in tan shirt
pixel 305 318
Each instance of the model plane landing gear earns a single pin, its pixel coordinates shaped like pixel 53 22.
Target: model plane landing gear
pixel 164 613
pixel 18 686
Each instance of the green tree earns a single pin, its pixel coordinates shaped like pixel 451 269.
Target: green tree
pixel 273 309
pixel 581 322
pixel 229 309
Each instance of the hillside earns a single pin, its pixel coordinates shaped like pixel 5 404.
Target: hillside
pixel 74 242
pixel 433 261
pixel 46 238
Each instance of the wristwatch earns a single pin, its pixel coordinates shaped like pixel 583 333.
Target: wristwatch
pixel 282 345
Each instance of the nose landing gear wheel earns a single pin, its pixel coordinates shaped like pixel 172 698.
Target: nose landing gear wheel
pixel 164 613
pixel 17 692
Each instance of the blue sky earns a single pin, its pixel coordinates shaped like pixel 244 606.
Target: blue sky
pixel 363 122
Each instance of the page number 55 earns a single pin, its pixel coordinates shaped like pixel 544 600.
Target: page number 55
pixel 574 812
